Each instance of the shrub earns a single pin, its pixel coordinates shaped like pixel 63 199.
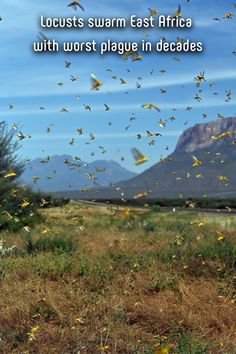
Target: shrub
pixel 50 243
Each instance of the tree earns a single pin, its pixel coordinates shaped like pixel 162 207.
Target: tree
pixel 9 160
pixel 18 204
pixel 12 215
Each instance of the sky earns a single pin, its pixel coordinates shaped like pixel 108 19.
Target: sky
pixel 30 80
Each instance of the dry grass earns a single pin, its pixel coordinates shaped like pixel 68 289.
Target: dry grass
pixel 95 280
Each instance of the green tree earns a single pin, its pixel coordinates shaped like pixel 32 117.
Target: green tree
pixel 9 145
pixel 18 205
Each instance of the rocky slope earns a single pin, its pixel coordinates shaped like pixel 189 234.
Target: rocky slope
pixel 201 136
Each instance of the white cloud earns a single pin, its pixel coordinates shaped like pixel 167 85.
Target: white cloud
pixel 101 135
pixel 78 108
pixel 39 83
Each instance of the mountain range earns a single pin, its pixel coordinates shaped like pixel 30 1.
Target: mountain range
pixel 202 165
pixel 64 173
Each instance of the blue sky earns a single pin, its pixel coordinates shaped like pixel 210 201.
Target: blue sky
pixel 29 80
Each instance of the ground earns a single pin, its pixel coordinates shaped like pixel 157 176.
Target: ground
pixel 91 279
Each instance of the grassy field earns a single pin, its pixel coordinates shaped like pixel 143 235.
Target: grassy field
pixel 101 280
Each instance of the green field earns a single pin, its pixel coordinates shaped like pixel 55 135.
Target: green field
pixel 90 279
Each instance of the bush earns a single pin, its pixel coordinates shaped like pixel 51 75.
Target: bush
pixel 49 243
pixel 15 214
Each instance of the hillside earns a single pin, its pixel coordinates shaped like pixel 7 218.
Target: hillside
pixel 213 144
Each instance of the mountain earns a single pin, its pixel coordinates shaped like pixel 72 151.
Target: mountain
pixel 201 136
pixel 212 145
pixel 63 173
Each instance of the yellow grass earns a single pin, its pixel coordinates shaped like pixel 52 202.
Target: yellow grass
pixel 94 279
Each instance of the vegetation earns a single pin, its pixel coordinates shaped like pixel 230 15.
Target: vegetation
pixel 18 205
pixel 204 203
pixel 9 160
pixel 109 280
